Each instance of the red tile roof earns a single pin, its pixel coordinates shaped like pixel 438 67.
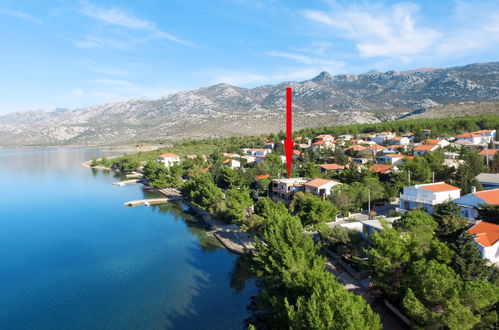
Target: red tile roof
pixel 262 176
pixel 432 141
pixel 485 233
pixel 168 155
pixel 381 168
pixel 490 196
pixel 467 135
pixel 395 155
pixel 439 187
pixel 329 167
pixel 319 142
pixel 357 147
pixel 318 182
pixel 425 147
pixel 484 131
pixel 490 152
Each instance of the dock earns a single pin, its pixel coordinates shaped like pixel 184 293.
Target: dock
pixel 122 183
pixel 147 202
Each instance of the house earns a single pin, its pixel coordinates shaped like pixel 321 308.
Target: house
pixel 323 137
pixel 427 195
pixel 373 149
pixel 232 163
pixel 231 155
pixel 345 137
pixel 360 160
pixel 322 144
pixel 320 187
pixel 427 132
pixel 356 147
pixel 489 153
pixel 332 167
pixel 400 140
pixel 249 159
pixel 383 168
pixel 487 135
pixel 394 148
pixel 169 159
pixel 471 137
pixel 368 227
pixel 439 142
pixel 269 145
pixel 486 235
pixel 391 159
pixel 283 189
pixel 256 152
pixel 421 149
pixel 470 203
pixel 380 138
pixel 488 180
pixel 410 136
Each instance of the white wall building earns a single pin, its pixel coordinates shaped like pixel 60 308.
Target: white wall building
pixel 168 159
pixel 470 203
pixel 486 236
pixel 320 187
pixel 471 137
pixel 427 195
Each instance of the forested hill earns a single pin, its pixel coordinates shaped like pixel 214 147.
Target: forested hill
pixel 225 110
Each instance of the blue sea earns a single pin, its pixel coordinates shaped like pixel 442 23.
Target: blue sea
pixel 73 257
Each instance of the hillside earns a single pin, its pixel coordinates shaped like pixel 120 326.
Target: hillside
pixel 224 110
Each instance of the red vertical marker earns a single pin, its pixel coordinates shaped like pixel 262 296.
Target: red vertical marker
pixel 288 143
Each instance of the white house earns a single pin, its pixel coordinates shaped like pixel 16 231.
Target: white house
pixel 322 144
pixel 345 137
pixel 394 148
pixel 256 152
pixel 323 137
pixel 471 137
pixel 401 140
pixel 470 203
pixel 487 135
pixel 380 138
pixel 232 163
pixel 421 149
pixel 391 159
pixel 427 195
pixel 320 187
pixel 439 142
pixel 168 159
pixel 283 189
pixel 486 236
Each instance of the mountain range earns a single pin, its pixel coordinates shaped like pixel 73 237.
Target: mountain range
pixel 225 110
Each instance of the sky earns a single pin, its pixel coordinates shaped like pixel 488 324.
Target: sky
pixel 72 54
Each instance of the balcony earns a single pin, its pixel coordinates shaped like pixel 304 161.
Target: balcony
pixel 418 199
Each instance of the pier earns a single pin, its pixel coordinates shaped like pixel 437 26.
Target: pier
pixel 147 202
pixel 122 183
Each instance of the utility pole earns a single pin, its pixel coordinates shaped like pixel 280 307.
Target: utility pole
pixel 369 203
pixel 409 177
pixel 433 176
pixel 487 156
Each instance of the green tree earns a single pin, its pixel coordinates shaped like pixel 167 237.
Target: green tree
pixel 228 178
pixel 312 210
pixel 237 204
pixel 489 213
pixel 310 170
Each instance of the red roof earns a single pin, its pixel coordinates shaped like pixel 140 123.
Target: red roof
pixel 432 141
pixel 262 176
pixel 490 196
pixel 467 135
pixel 439 187
pixel 395 155
pixel 320 142
pixel 168 155
pixel 425 147
pixel 318 182
pixel 490 152
pixel 381 168
pixel 329 167
pixel 484 131
pixel 356 147
pixel 485 233
pixel 375 147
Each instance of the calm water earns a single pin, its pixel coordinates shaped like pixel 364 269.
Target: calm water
pixel 73 257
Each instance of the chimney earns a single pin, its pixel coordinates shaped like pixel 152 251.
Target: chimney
pixel 473 189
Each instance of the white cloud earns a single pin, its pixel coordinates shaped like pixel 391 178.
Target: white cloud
pixel 20 14
pixel 143 30
pixel 108 71
pixel 378 31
